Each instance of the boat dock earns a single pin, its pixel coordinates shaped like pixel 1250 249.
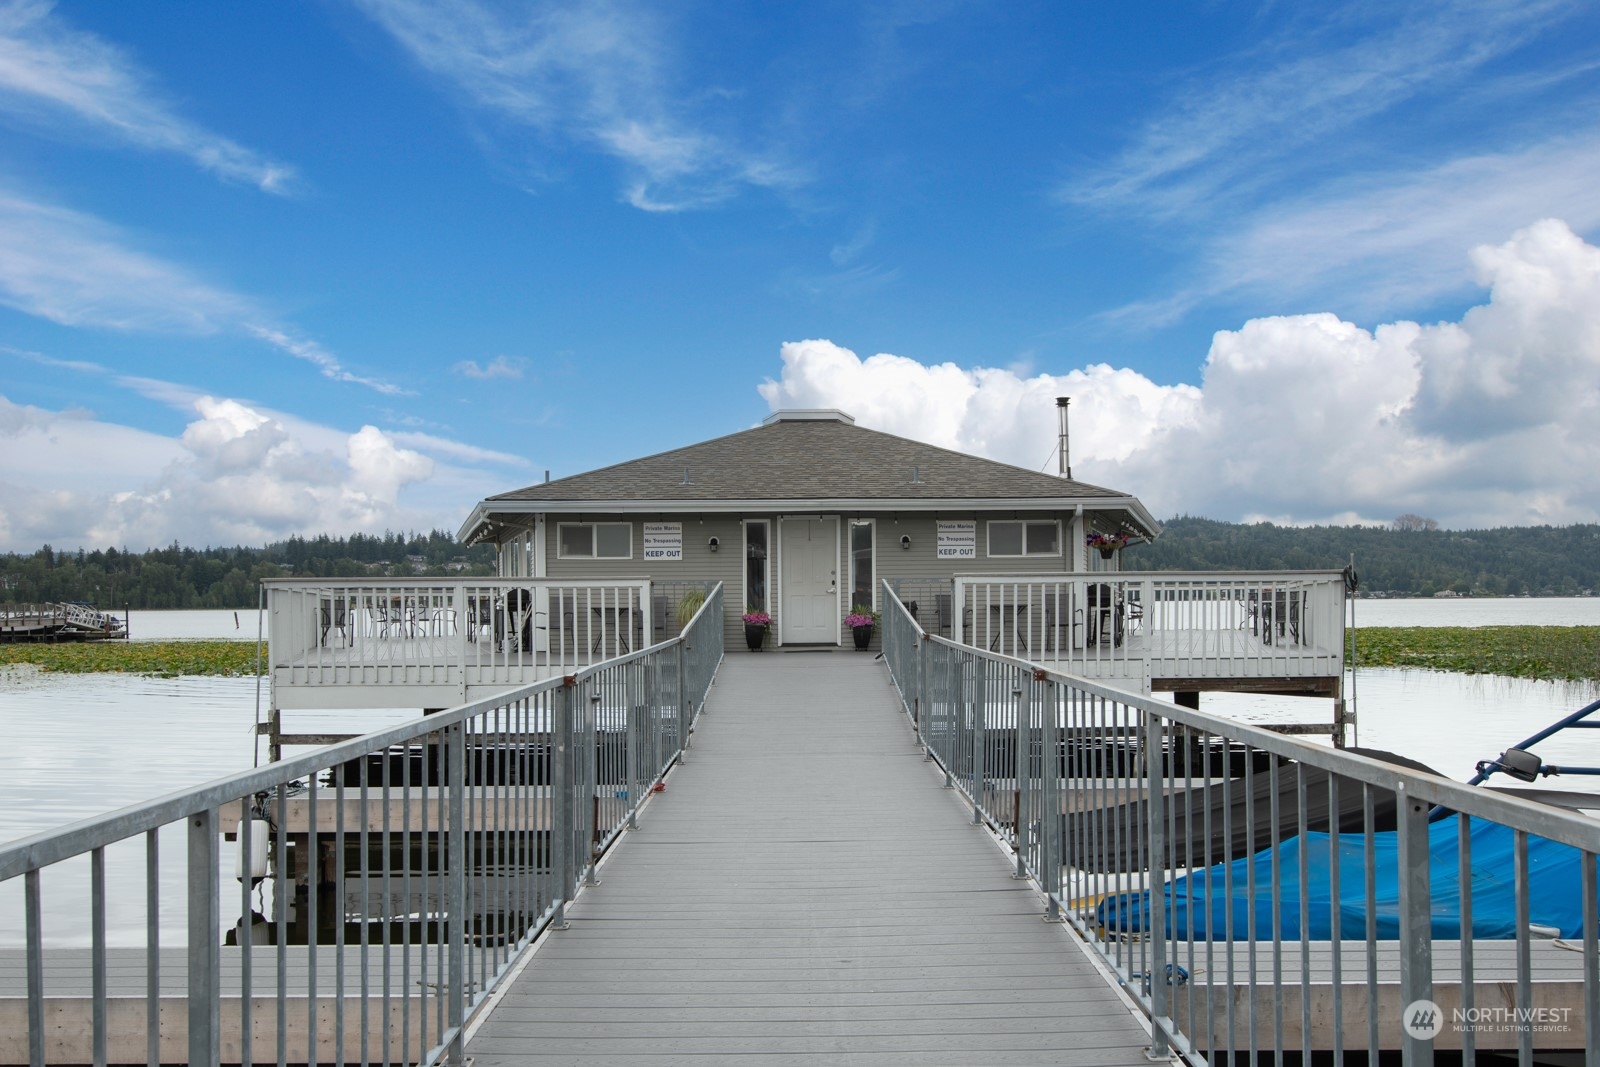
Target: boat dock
pixel 848 864
pixel 58 622
pixel 805 891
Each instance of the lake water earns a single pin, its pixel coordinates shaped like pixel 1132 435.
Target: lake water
pixel 80 745
pixel 240 625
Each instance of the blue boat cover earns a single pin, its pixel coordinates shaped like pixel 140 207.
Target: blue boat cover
pixel 1201 904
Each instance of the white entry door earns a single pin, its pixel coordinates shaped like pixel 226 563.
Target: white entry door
pixel 809 559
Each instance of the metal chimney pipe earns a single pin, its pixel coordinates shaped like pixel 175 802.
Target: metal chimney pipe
pixel 1066 459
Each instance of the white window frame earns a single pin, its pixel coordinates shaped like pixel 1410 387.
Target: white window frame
pixel 850 557
pixel 561 545
pixel 1024 523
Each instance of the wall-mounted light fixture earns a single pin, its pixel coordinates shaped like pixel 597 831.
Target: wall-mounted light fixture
pixel 713 544
pixel 905 542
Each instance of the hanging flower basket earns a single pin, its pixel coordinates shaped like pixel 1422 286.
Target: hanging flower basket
pixel 1107 544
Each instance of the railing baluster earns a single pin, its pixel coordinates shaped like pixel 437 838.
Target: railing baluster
pixel 1416 935
pixel 1522 892
pixel 1591 958
pixel 35 951
pixel 456 889
pixel 152 951
pixel 313 891
pixel 203 952
pixel 1468 993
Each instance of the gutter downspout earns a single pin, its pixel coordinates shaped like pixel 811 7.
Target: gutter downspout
pixel 1079 562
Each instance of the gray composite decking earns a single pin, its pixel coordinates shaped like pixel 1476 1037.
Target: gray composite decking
pixel 806 892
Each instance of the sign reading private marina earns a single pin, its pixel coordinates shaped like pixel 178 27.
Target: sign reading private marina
pixel 957 540
pixel 663 540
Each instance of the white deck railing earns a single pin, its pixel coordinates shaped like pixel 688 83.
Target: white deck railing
pixel 439 642
pixel 1136 626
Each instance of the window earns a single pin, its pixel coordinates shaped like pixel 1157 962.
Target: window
pixel 755 566
pixel 861 585
pixel 595 540
pixel 1024 539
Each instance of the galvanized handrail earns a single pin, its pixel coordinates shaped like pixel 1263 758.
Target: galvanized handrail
pixel 1181 846
pixel 408 870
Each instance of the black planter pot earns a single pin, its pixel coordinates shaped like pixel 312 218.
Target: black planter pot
pixel 863 635
pixel 755 635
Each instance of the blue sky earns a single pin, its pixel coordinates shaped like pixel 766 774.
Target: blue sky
pixel 351 266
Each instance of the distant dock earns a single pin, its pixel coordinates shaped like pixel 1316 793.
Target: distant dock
pixel 58 622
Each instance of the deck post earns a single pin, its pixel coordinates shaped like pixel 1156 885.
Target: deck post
pixel 1050 849
pixel 589 782
pixel 205 1023
pixel 632 747
pixel 920 655
pixel 952 694
pixel 1155 804
pixel 1022 765
pixel 1416 944
pixel 456 889
pixel 980 740
pixel 561 801
pixel 682 703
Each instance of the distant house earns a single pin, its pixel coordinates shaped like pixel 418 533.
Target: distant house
pixel 803 517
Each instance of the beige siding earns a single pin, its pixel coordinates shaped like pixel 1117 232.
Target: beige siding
pixel 917 566
pixel 699 565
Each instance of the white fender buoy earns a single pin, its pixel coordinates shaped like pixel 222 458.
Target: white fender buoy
pixel 256 862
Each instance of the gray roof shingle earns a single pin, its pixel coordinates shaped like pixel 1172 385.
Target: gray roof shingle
pixel 807 460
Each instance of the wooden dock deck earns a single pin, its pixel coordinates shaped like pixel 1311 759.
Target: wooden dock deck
pixel 806 892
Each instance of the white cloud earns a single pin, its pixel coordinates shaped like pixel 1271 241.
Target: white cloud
pixel 76 270
pixel 498 367
pixel 1378 246
pixel 238 474
pixel 593 73
pixel 50 72
pixel 1246 122
pixel 1331 161
pixel 1492 420
pixel 442 446
pixel 322 359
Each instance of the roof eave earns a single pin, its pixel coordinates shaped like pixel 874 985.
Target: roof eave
pixel 484 509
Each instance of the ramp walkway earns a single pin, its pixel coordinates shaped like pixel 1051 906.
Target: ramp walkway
pixel 805 892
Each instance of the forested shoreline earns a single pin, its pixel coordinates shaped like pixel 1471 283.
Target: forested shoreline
pixel 178 577
pixel 1406 559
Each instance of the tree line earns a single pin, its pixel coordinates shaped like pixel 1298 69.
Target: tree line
pixel 1411 557
pixel 178 577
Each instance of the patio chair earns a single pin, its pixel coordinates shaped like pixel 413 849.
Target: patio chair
pixel 334 617
pixel 1059 615
pixel 518 631
pixel 377 617
pixel 1133 612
